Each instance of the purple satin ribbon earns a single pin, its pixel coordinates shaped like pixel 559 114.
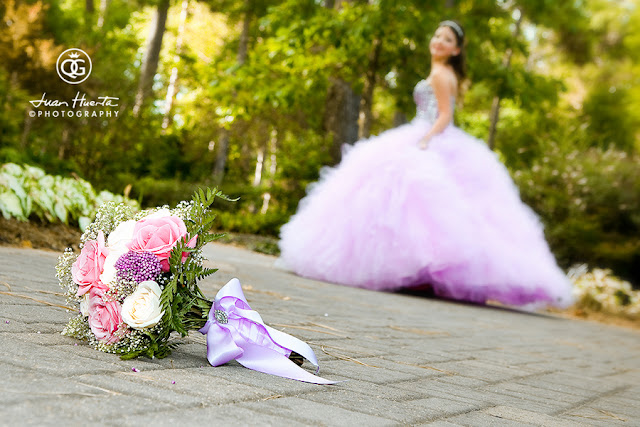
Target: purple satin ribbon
pixel 234 331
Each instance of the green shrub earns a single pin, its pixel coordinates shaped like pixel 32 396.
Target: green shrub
pixel 590 203
pixel 599 290
pixel 27 191
pixel 267 224
pixel 158 192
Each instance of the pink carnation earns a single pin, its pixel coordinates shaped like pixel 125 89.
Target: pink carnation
pixel 159 235
pixel 87 268
pixel 104 316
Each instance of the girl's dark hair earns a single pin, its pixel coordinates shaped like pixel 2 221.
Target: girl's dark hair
pixel 458 62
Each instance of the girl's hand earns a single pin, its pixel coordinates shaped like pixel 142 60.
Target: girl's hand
pixel 424 142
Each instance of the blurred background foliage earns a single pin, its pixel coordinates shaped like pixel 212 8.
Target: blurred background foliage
pixel 256 96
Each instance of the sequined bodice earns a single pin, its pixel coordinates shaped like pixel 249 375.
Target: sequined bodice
pixel 426 102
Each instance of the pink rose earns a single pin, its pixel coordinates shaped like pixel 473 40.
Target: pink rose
pixel 158 233
pixel 87 268
pixel 104 316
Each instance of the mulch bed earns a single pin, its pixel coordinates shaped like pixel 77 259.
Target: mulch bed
pixel 38 235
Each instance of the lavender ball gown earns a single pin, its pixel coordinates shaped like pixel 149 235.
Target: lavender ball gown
pixel 393 216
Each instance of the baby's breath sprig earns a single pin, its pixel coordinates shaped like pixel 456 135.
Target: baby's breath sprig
pixel 107 219
pixel 120 289
pixel 63 273
pixel 78 328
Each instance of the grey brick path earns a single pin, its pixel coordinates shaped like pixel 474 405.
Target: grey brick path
pixel 408 360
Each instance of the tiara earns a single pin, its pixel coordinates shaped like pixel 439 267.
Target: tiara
pixel 454 26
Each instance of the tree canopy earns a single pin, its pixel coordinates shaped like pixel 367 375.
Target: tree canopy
pixel 258 95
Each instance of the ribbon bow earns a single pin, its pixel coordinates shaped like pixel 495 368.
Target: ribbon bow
pixel 234 331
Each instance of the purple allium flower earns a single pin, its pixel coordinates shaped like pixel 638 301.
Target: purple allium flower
pixel 138 266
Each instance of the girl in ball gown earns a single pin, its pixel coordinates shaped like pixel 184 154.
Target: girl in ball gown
pixel 425 204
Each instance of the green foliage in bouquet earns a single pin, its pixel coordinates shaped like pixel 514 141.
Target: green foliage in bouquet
pixel 185 307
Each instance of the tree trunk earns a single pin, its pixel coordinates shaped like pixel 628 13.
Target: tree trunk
pixel 337 4
pixel 493 121
pixel 89 7
pixel 171 90
pixel 366 103
pixel 221 158
pixel 341 116
pixel 28 124
pixel 341 107
pixel 257 175
pixel 64 141
pixel 28 120
pixel 450 4
pixel 243 46
pixel 495 105
pixel 152 56
pixel 273 146
pixel 399 119
pixel 104 5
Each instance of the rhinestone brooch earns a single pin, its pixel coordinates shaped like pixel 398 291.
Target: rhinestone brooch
pixel 221 317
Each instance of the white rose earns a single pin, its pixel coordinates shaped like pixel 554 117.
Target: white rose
pixel 118 244
pixel 141 309
pixel 120 237
pixel 109 272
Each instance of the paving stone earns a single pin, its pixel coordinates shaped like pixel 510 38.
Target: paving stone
pixel 481 418
pixel 485 370
pixel 395 409
pixel 188 387
pixel 219 415
pixel 547 382
pixel 533 393
pixel 597 417
pixel 524 416
pixel 55 338
pixel 34 313
pixel 370 372
pixel 307 411
pixel 613 406
pixel 508 416
pixel 384 391
pixel 52 361
pixel 439 423
pixel 459 380
pixel 434 387
pixel 19 384
pixel 78 410
pixel 238 374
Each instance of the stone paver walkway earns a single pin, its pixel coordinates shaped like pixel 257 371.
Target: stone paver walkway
pixel 407 360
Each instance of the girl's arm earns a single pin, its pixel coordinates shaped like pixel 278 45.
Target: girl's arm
pixel 442 90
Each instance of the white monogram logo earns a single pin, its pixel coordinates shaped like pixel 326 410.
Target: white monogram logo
pixel 73 66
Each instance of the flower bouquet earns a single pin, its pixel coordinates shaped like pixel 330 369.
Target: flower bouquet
pixel 135 282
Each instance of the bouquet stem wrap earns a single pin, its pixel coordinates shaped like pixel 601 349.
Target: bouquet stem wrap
pixel 236 332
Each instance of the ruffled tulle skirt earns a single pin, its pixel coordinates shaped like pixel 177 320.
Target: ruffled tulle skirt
pixel 393 216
